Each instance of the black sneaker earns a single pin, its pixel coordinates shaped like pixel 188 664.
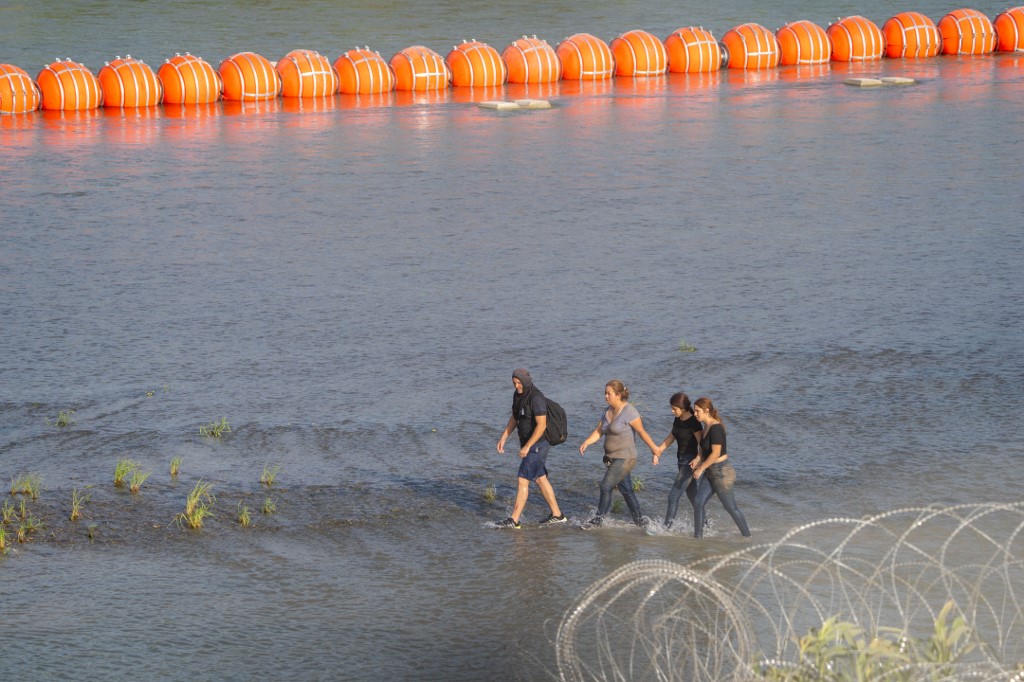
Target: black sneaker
pixel 509 523
pixel 553 519
pixel 594 522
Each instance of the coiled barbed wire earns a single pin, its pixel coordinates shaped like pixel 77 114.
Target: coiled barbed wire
pixel 731 617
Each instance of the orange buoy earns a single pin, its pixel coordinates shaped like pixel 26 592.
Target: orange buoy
pixel 188 79
pixel 638 53
pixel 691 49
pixel 19 94
pixel 421 69
pixel 305 73
pixel 911 34
pixel 249 77
pixel 475 64
pixel 967 31
pixel 856 39
pixel 1009 27
pixel 362 72
pixel 532 60
pixel 129 83
pixel 751 46
pixel 803 42
pixel 585 58
pixel 69 86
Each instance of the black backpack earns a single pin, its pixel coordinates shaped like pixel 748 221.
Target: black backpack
pixel 558 426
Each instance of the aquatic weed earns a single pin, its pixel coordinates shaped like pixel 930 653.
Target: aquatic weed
pixel 198 505
pixel 8 512
pixel 137 479
pixel 3 541
pixel 638 484
pixel 26 484
pixel 685 347
pixel 64 418
pixel 90 532
pixel 215 429
pixel 124 468
pixel 244 518
pixel 269 506
pixel 490 494
pixel 77 502
pixel 175 466
pixel 269 475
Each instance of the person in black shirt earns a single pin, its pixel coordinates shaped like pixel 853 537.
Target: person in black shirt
pixel 530 419
pixel 713 455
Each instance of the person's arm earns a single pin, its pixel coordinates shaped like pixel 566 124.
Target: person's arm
pixel 506 433
pixel 594 436
pixel 710 458
pixel 540 425
pixel 638 427
pixel 669 439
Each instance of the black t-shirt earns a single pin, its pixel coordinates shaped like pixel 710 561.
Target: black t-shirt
pixel 714 436
pixel 525 407
pixel 686 444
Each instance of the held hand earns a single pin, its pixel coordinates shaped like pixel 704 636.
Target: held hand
pixel 583 448
pixel 654 459
pixel 697 474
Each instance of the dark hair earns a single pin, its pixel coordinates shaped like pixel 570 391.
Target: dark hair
pixel 682 401
pixel 619 388
pixel 705 404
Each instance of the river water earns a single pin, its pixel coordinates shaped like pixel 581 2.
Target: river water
pixel 350 284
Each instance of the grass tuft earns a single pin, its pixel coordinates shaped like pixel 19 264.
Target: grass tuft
pixel 269 475
pixel 125 467
pixel 215 429
pixel 137 479
pixel 8 512
pixel 26 484
pixel 3 541
pixel 64 418
pixel 684 347
pixel 269 506
pixel 490 494
pixel 244 517
pixel 78 500
pixel 90 532
pixel 638 484
pixel 175 466
pixel 198 505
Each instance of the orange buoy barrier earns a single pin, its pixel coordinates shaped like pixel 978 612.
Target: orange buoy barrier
pixel 911 34
pixel 532 60
pixel 585 58
pixel 474 64
pixel 306 73
pixel 751 46
pixel 249 77
pixel 68 86
pixel 856 39
pixel 362 72
pixel 19 94
pixel 188 79
pixel 967 31
pixel 692 49
pixel 129 83
pixel 803 42
pixel 421 69
pixel 1009 27
pixel 638 53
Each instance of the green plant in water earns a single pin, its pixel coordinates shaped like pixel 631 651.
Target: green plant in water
pixel 90 532
pixel 490 494
pixel 28 526
pixel 684 347
pixel 198 505
pixel 269 506
pixel 215 429
pixel 123 470
pixel 638 484
pixel 26 484
pixel 137 479
pixel 64 418
pixel 244 518
pixel 8 512
pixel 617 507
pixel 175 466
pixel 3 541
pixel 23 512
pixel 840 651
pixel 269 475
pixel 78 500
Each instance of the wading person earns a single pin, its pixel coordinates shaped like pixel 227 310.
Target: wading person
pixel 713 460
pixel 530 419
pixel 618 425
pixel 686 434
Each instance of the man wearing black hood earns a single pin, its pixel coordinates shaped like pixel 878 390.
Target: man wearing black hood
pixel 530 418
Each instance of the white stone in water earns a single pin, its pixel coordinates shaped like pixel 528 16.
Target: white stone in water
pixel 496 104
pixel 863 82
pixel 897 80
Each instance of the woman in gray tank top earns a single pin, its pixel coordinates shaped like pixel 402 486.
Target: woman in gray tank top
pixel 618 425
